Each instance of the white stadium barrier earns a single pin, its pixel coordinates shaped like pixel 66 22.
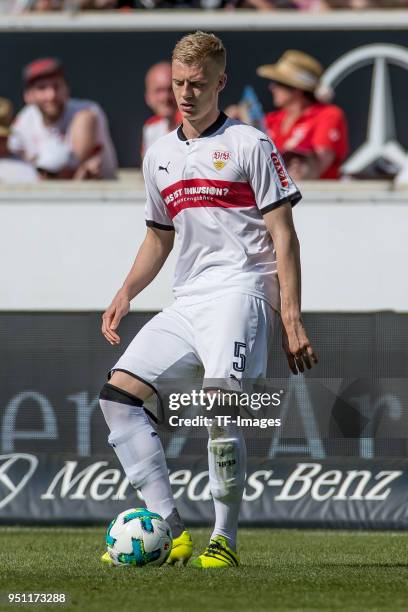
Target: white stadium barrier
pixel 67 246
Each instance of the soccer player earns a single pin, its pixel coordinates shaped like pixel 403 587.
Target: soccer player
pixel 222 186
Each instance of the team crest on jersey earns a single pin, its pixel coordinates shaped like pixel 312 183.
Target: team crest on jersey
pixel 220 159
pixel 280 171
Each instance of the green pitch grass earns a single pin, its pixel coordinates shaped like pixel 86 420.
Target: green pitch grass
pixel 281 570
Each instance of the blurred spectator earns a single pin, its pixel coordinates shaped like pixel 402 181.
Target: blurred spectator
pixel 71 6
pixel 311 135
pixel 160 99
pixel 262 5
pixel 50 115
pixel 11 170
pixel 363 5
pixel 53 160
pixel 270 5
pixel 45 6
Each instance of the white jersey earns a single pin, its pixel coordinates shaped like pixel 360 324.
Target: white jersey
pixel 213 191
pixel 30 134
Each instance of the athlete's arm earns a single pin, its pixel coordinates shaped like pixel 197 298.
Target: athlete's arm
pixel 149 260
pixel 296 345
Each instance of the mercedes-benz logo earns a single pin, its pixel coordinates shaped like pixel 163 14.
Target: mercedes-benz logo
pixel 381 141
pixel 11 485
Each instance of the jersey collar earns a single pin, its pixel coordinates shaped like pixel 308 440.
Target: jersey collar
pixel 214 127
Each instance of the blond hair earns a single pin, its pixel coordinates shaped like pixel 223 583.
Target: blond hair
pixel 196 48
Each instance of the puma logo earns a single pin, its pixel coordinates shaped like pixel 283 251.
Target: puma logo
pixel 165 168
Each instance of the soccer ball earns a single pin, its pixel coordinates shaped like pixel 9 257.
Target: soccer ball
pixel 138 537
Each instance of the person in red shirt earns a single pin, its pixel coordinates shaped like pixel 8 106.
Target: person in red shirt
pixel 310 135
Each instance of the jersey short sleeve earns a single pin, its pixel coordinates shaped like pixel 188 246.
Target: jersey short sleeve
pixel 268 177
pixel 156 214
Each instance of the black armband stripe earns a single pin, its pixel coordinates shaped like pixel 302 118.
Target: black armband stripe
pixel 293 198
pixel 167 228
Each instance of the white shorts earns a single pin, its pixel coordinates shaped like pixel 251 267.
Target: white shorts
pixel 226 336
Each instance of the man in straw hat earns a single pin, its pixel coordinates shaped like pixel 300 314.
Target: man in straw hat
pixel 311 135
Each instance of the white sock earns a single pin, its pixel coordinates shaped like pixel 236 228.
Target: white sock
pixel 138 449
pixel 227 472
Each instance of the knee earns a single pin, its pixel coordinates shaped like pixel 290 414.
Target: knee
pixel 112 393
pixel 130 384
pixel 121 409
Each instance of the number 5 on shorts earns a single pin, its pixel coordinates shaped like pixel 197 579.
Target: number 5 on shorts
pixel 239 351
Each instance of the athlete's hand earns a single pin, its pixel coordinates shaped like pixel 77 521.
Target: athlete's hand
pixel 113 315
pixel 297 347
